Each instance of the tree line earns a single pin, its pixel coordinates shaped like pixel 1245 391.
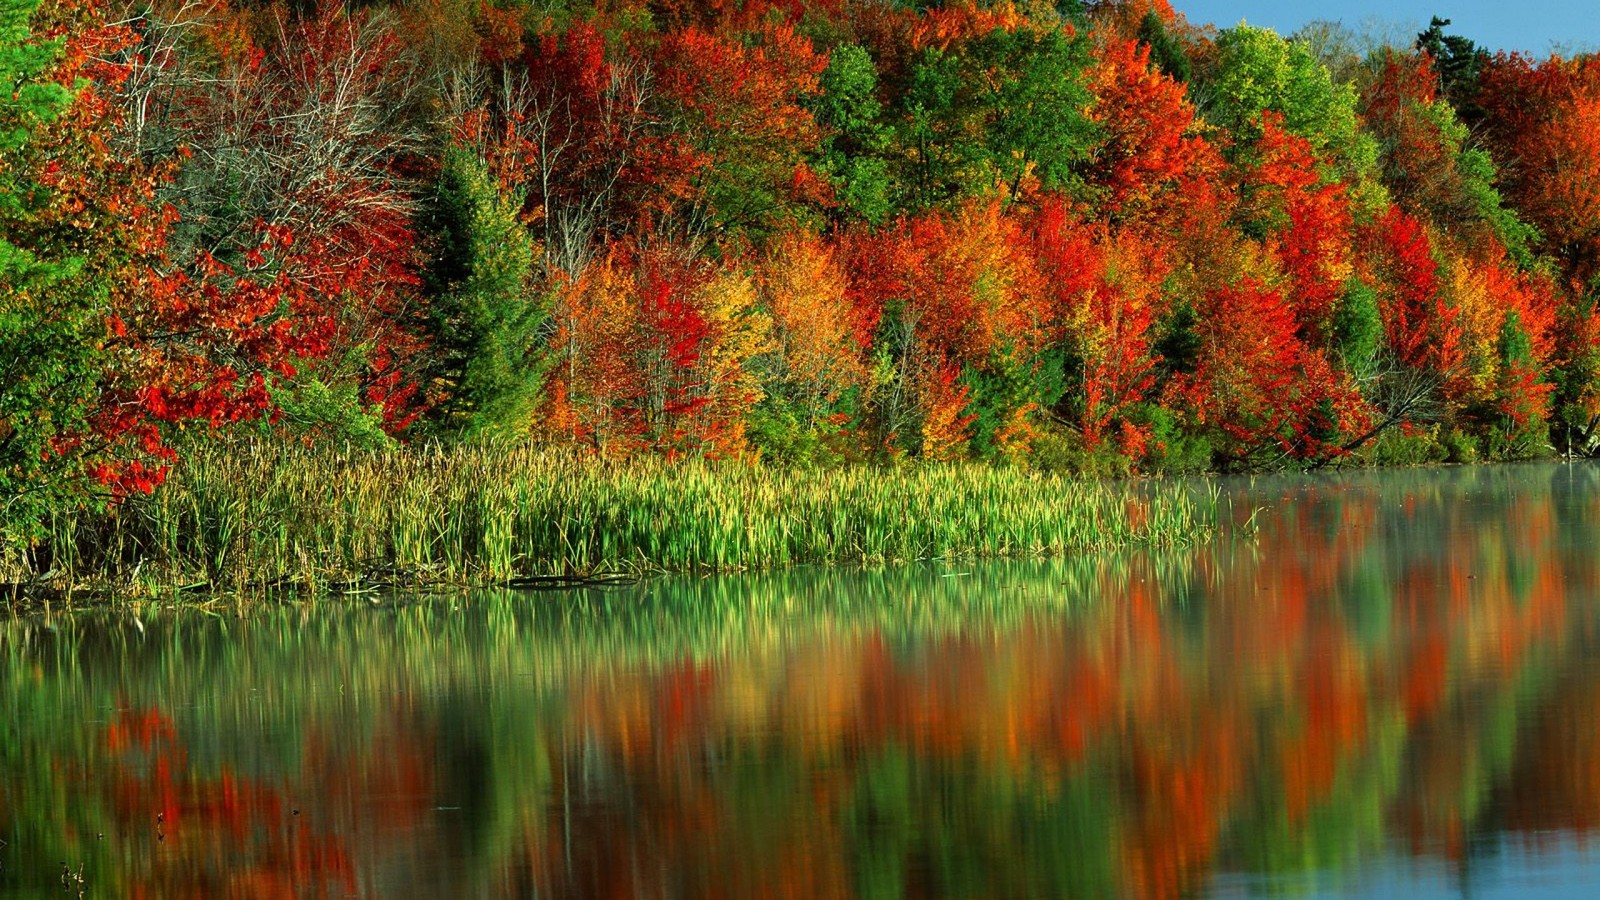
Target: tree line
pixel 1090 235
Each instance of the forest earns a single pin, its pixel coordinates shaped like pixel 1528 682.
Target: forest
pixel 1087 237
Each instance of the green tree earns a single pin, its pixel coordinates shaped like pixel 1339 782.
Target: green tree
pixel 1458 62
pixel 993 114
pixel 486 313
pixel 938 159
pixel 1358 330
pixel 1168 54
pixel 1577 375
pixel 853 154
pixel 1036 106
pixel 1428 162
pixel 48 317
pixel 1521 395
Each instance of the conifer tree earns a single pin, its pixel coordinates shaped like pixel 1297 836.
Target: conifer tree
pixel 487 315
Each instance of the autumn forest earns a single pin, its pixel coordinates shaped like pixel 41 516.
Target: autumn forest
pixel 1089 237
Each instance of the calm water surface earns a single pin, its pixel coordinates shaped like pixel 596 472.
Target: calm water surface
pixel 1396 690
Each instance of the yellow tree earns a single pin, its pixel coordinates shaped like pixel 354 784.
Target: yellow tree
pixel 814 359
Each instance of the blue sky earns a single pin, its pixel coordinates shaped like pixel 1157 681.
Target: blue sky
pixel 1528 25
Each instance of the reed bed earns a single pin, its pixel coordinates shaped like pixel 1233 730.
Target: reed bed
pixel 274 516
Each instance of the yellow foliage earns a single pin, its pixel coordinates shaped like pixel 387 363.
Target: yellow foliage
pixel 813 351
pixel 740 332
pixel 593 316
pixel 1482 314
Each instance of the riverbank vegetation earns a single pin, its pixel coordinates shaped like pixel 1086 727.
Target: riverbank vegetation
pixel 294 519
pixel 1092 238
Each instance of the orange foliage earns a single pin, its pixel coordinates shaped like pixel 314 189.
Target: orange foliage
pixel 816 350
pixel 1544 129
pixel 652 353
pixel 1423 330
pixel 1150 161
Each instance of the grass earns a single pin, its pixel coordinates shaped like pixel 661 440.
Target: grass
pixel 267 517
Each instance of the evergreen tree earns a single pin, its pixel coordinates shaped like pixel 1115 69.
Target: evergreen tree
pixel 1458 62
pixel 486 313
pixel 1166 52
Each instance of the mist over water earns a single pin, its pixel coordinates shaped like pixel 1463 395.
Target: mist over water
pixel 1395 689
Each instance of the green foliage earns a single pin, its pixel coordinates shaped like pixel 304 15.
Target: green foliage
pixel 1038 127
pixel 311 408
pixel 1469 195
pixel 1178 339
pixel 987 115
pixel 939 157
pixel 1168 54
pixel 1405 446
pixel 1458 62
pixel 50 328
pixel 1173 448
pixel 1061 451
pixel 29 101
pixel 853 156
pixel 782 434
pixel 1577 377
pixel 1258 72
pixel 1478 178
pixel 1514 347
pixel 486 315
pixel 778 434
pixel 1358 330
pixel 1008 384
pixel 1519 430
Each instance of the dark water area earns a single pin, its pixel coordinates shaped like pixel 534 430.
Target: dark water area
pixel 1394 690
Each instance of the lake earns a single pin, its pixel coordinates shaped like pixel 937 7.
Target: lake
pixel 1394 688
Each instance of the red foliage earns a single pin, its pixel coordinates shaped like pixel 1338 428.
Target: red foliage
pixel 1106 316
pixel 1308 224
pixel 1543 123
pixel 1421 327
pixel 741 103
pixel 1258 382
pixel 1150 162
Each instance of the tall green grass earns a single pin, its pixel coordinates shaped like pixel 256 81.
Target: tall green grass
pixel 274 516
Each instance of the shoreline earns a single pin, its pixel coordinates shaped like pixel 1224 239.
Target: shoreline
pixel 266 521
pixel 191 543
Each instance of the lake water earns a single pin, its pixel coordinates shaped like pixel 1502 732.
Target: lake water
pixel 1394 690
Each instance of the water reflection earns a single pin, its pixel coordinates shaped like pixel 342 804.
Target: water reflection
pixel 1396 688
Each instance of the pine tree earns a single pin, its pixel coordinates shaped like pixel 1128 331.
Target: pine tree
pixel 486 315
pixel 1166 52
pixel 1458 62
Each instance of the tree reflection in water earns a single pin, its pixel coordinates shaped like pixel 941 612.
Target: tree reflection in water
pixel 1405 666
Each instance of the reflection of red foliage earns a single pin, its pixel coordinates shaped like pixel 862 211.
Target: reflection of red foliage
pixel 218 836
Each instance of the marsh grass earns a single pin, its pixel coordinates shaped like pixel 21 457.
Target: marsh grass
pixel 293 518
